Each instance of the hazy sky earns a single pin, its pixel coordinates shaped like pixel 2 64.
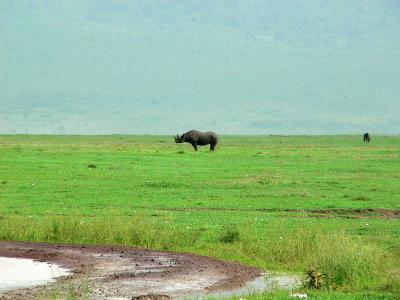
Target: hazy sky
pixel 261 67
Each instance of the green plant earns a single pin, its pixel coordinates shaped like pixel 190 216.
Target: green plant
pixel 229 234
pixel 315 279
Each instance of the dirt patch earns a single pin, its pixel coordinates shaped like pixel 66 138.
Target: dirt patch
pixel 350 213
pixel 368 213
pixel 124 272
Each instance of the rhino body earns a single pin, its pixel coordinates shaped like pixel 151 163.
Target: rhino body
pixel 366 138
pixel 198 138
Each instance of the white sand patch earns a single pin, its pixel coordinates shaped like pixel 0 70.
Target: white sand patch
pixel 18 273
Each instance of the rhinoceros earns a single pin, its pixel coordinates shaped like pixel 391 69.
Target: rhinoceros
pixel 198 138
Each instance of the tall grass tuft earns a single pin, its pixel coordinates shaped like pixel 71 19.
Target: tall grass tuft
pixel 137 230
pixel 229 234
pixel 315 279
pixel 346 262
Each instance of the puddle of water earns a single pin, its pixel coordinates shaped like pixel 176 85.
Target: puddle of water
pixel 265 283
pixel 18 273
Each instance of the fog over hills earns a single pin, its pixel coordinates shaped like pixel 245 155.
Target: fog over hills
pixel 237 67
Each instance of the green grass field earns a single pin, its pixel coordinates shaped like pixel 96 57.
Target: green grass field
pixel 279 203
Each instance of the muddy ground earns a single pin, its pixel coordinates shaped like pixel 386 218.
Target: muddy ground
pixel 348 213
pixel 121 272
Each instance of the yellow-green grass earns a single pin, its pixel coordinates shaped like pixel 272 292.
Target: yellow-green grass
pixel 278 203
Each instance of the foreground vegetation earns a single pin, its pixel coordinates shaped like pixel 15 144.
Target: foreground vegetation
pixel 286 204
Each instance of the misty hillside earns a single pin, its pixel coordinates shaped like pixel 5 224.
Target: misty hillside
pixel 262 67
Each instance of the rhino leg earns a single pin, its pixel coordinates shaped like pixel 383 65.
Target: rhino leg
pixel 194 146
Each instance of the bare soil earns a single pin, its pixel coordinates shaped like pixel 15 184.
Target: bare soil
pixel 348 213
pixel 128 273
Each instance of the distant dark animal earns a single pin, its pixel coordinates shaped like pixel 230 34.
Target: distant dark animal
pixel 197 138
pixel 367 138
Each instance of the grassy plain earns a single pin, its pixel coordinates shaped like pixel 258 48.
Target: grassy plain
pixel 279 203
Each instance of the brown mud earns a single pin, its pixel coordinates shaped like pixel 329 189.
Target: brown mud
pixel 348 213
pixel 104 272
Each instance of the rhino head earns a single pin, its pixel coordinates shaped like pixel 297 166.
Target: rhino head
pixel 179 139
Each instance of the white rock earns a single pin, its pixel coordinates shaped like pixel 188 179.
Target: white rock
pixel 301 296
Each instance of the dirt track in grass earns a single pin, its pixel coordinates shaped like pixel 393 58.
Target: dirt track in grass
pixel 124 272
pixel 348 213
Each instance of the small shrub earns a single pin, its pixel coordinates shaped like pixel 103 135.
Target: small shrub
pixel 160 184
pixel 361 198
pixel 55 231
pixel 115 167
pixel 181 152
pixel 263 181
pixel 92 166
pixel 315 279
pixel 229 234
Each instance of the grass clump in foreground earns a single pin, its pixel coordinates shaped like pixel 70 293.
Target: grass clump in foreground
pixel 229 234
pixel 315 279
